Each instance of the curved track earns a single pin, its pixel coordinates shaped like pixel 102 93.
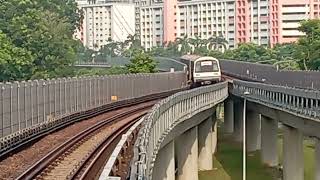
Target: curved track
pixel 80 156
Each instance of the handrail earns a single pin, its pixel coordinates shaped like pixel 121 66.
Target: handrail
pixel 167 114
pixel 300 102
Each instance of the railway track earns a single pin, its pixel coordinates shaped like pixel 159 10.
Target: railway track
pixel 81 156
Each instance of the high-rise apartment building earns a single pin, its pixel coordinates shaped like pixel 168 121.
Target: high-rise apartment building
pixel 151 25
pixel 268 22
pixel 252 21
pixel 264 22
pixel 105 21
pixel 286 17
pixel 164 22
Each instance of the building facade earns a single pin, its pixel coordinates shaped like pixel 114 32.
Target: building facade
pixel 105 21
pixel 269 22
pixel 162 22
pixel 157 22
pixel 252 21
pixel 291 12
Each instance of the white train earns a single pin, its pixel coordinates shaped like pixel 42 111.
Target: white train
pixel 202 70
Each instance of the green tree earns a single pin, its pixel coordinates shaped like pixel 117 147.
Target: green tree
pixel 172 50
pixel 184 44
pixel 142 63
pixel 199 45
pixel 83 53
pixel 309 45
pixel 215 54
pixel 111 49
pixel 248 52
pixel 101 71
pixel 65 9
pixel 217 41
pixel 132 46
pixel 15 62
pixel 44 28
pixel 158 51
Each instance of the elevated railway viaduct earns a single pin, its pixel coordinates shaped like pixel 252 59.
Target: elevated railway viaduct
pixel 179 134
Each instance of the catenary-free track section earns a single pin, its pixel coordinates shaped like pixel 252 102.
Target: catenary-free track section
pixel 66 161
pixel 19 162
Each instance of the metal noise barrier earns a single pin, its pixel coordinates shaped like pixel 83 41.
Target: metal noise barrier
pixel 271 75
pixel 167 114
pixel 300 102
pixel 38 104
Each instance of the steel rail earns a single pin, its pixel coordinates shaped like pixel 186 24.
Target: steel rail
pixel 100 155
pixel 40 165
pixel 15 144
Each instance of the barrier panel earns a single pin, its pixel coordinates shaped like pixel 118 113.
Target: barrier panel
pixel 27 104
pixel 269 74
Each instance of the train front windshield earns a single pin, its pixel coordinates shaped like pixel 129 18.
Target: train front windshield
pixel 206 66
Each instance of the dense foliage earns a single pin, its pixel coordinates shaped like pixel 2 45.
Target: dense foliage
pixel 101 71
pixel 36 41
pixel 42 31
pixel 15 62
pixel 142 63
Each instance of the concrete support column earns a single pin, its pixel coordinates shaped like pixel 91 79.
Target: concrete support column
pixel 292 154
pixel 253 131
pixel 205 145
pixel 238 121
pixel 214 136
pixel 228 116
pixel 317 157
pixel 269 140
pixel 186 152
pixel 220 110
pixel 164 168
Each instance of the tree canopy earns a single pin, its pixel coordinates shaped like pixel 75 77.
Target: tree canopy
pixel 36 41
pixel 43 29
pixel 142 63
pixel 308 46
pixel 15 62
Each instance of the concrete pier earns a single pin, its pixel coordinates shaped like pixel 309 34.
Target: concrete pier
pixel 253 131
pixel 205 145
pixel 269 140
pixel 214 136
pixel 293 165
pixel 164 168
pixel 228 116
pixel 186 151
pixel 238 121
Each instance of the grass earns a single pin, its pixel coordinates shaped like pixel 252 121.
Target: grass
pixel 230 156
pixel 228 162
pixel 217 173
pixel 309 157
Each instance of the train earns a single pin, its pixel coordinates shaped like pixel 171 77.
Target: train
pixel 201 70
